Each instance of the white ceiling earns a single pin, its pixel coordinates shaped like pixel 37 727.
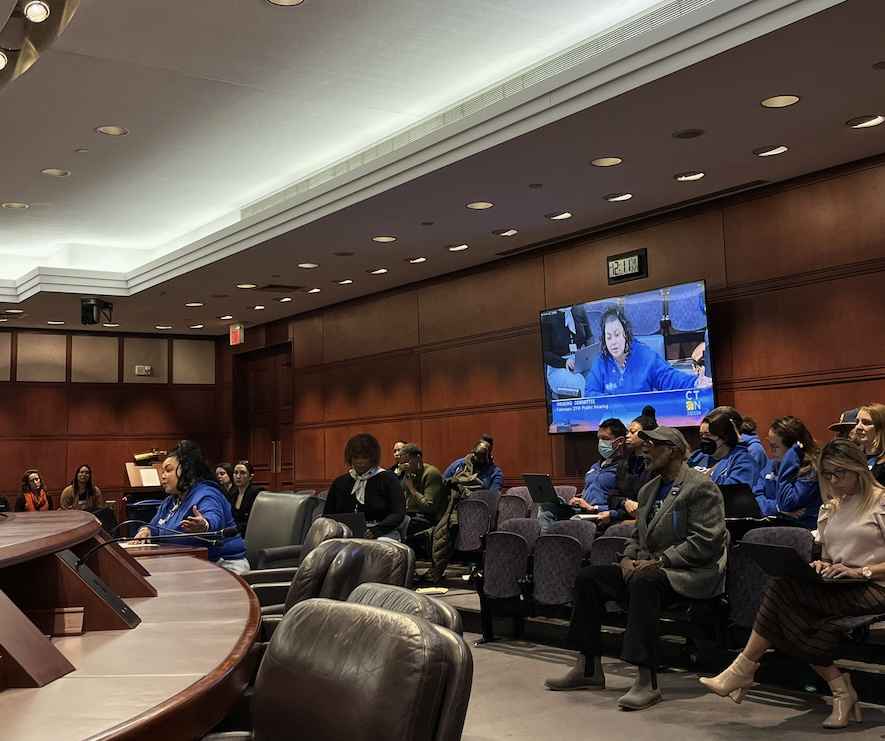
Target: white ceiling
pixel 720 95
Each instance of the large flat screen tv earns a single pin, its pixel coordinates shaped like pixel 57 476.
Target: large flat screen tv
pixel 612 357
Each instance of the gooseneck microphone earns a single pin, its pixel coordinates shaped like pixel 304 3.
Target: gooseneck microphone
pixel 212 537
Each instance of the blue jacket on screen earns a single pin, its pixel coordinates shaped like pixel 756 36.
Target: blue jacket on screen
pixel 491 476
pixel 699 459
pixel 645 370
pixel 601 479
pixel 780 489
pixel 213 505
pixel 738 467
pixel 757 450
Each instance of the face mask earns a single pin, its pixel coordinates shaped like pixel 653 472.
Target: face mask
pixel 606 449
pixel 708 446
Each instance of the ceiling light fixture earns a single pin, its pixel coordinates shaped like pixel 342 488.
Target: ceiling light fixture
pixel 865 122
pixel 344 254
pixel 3 319
pixel 110 325
pixel 618 197
pixel 246 286
pixel 307 265
pixel 780 101
pixel 416 260
pixel 4 60
pixel 606 161
pixel 194 304
pixel 285 299
pixel 55 322
pixel 457 247
pixel 258 307
pixel 511 232
pixel 689 177
pixel 688 133
pixel 225 317
pixel 558 215
pixel 55 172
pixel 162 326
pixel 81 150
pixel 112 130
pixel 196 326
pixel 15 205
pixel 771 150
pixel 285 3
pixel 345 282
pixel 315 290
pixel 13 311
pixel 479 205
pixel 377 271
pixel 384 238
pixel 36 11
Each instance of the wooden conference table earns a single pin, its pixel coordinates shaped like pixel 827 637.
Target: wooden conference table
pixel 172 676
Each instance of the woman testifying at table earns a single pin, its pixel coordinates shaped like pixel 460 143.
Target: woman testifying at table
pixel 195 505
pixel 33 497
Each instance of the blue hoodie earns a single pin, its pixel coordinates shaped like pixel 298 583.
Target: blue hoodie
pixel 757 450
pixel 738 467
pixel 213 505
pixel 699 459
pixel 601 479
pixel 780 490
pixel 645 370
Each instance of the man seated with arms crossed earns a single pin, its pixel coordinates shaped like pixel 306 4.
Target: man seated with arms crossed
pixel 484 466
pixel 678 551
pixel 426 496
pixel 599 481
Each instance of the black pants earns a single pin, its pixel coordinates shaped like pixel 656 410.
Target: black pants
pixel 647 592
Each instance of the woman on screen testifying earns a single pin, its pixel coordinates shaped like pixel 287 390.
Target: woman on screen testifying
pixel 627 366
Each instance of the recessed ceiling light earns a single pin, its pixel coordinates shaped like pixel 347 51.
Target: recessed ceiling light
pixel 307 265
pixel 285 3
pixel 479 205
pixel 196 326
pixel 688 177
pixel 225 317
pixel 36 11
pixel 457 247
pixel 314 290
pixel 344 254
pixel 780 101
pixel 618 197
pixel 3 319
pixel 511 232
pixel 688 133
pixel 606 161
pixel 55 172
pixel 377 271
pixel 55 322
pixel 112 130
pixel 558 215
pixel 194 304
pixel 416 260
pixel 344 282
pixel 13 311
pixel 865 122
pixel 81 150
pixel 384 238
pixel 879 65
pixel 110 325
pixel 427 223
pixel 285 299
pixel 162 326
pixel 258 307
pixel 246 286
pixel 16 205
pixel 771 150
pixel 536 186
pixel 3 59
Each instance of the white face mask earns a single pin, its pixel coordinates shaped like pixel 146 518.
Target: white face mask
pixel 606 449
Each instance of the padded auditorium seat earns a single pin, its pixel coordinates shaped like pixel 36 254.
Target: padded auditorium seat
pixel 336 670
pixel 400 599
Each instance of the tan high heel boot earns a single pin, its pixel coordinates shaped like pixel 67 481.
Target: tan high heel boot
pixel 735 680
pixel 844 703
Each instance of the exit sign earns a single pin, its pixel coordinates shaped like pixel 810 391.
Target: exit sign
pixel 236 334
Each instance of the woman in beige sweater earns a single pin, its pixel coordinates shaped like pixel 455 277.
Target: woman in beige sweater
pixel 800 618
pixel 82 493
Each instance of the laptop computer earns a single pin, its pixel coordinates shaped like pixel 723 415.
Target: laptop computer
pixel 541 488
pixel 356 521
pixel 585 356
pixel 783 561
pixel 740 502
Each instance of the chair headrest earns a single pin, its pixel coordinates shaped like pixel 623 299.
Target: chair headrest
pixel 400 599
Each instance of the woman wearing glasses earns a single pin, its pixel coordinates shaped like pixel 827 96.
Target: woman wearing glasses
pixel 799 618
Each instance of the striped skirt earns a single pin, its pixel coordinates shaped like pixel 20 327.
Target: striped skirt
pixel 798 618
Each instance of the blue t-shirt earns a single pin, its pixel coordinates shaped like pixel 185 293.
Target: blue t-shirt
pixel 644 370
pixel 663 492
pixel 212 504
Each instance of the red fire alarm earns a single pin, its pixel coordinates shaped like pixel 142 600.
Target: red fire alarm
pixel 237 334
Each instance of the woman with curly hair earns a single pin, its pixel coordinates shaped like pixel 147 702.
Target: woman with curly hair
pixel 195 504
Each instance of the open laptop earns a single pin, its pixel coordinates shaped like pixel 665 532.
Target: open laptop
pixel 781 560
pixel 740 502
pixel 541 488
pixel 356 521
pixel 585 356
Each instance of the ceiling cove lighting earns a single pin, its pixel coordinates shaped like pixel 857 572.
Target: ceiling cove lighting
pixel 479 205
pixel 314 290
pixel 55 322
pixel 162 326
pixel 196 326
pixel 865 122
pixel 194 304
pixel 55 172
pixel 618 197
pixel 110 130
pixel 606 161
pixel 246 286
pixel 345 282
pixel 416 260
pixel 307 265
pixel 377 271
pixel 110 325
pixel 780 101
pixel 16 206
pixel 36 11
pixel 689 177
pixel 558 215
pixel 771 150
pixel 457 247
pixel 511 232
pixel 384 238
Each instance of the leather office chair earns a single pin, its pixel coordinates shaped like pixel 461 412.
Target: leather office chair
pixel 345 671
pixel 279 519
pixel 400 599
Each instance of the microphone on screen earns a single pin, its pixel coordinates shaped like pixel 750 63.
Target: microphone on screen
pixel 213 537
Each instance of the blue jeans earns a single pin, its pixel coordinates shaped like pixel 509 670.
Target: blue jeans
pixel 564 382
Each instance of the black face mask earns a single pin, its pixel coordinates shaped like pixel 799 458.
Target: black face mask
pixel 708 446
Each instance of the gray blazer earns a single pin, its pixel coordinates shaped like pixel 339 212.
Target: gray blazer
pixel 689 529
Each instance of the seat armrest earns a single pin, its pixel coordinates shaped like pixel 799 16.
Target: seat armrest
pixel 229 736
pixel 272 593
pixel 263 576
pixel 284 555
pixel 269 624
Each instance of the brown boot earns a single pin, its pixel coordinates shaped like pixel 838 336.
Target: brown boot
pixel 845 703
pixel 578 678
pixel 735 680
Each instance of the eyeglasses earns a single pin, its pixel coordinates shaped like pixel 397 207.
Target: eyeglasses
pixel 835 475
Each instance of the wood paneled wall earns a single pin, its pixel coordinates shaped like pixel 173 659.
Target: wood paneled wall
pixel 796 311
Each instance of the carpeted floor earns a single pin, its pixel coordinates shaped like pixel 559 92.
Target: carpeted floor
pixel 509 702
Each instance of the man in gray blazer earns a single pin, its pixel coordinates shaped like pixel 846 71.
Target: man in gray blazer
pixel 678 551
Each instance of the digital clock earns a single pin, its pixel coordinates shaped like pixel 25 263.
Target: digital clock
pixel 627 266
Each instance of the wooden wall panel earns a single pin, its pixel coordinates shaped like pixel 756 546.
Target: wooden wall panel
pixel 193 361
pixel 309 397
pixel 5 356
pixel 27 409
pixel 94 359
pixel 500 371
pixel 152 351
pixel 48 456
pixel 833 222
pixel 310 455
pixel 376 325
pixel 679 251
pixel 385 432
pixel 492 299
pixel 307 340
pixel 41 357
pixel 381 386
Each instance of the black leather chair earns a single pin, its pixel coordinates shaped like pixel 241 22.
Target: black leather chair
pixel 400 599
pixel 338 670
pixel 279 519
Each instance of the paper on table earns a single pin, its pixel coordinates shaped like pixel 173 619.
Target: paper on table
pixel 138 544
pixel 149 476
